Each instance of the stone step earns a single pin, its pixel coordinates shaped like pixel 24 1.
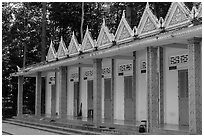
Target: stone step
pixel 85 126
pixel 50 128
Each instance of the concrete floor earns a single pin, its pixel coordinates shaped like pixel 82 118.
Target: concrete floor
pixel 20 130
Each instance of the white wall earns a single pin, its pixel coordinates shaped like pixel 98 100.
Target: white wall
pixel 141 88
pixel 119 90
pixel 83 89
pixel 171 114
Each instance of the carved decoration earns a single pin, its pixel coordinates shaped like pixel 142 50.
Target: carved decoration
pixel 124 32
pixel 178 15
pixel 62 50
pixel 51 56
pixel 88 43
pixel 105 38
pixel 149 23
pixel 200 11
pixel 73 46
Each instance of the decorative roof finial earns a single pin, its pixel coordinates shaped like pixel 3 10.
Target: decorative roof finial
pixel 87 28
pixel 161 22
pixel 103 24
pixel 147 6
pixel 123 16
pixel 194 12
pixel 61 38
pixel 135 30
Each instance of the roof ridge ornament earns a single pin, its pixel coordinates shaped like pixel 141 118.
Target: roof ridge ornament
pixel 199 11
pixel 124 31
pixel 135 30
pixel 123 15
pixel 178 15
pixel 147 5
pixel 194 12
pixel 62 49
pixel 87 43
pixel 51 55
pixel 161 22
pixel 105 38
pixel 74 48
pixel 104 22
pixel 149 23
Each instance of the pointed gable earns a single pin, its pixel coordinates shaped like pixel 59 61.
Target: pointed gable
pixel 51 56
pixel 200 11
pixel 88 43
pixel 73 46
pixel 104 38
pixel 149 23
pixel 62 50
pixel 124 32
pixel 178 15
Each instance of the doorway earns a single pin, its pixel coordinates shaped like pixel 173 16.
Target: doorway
pixel 108 111
pixel 76 98
pixel 128 99
pixel 90 98
pixel 183 97
pixel 53 100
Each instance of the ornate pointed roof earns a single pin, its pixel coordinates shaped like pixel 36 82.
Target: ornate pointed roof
pixel 200 11
pixel 149 23
pixel 51 55
pixel 178 15
pixel 104 38
pixel 88 43
pixel 62 51
pixel 124 32
pixel 74 47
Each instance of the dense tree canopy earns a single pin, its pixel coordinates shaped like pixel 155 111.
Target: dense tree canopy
pixel 22 26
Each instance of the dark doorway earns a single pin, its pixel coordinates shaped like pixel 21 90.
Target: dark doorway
pixel 76 98
pixel 90 98
pixel 107 99
pixel 183 97
pixel 128 99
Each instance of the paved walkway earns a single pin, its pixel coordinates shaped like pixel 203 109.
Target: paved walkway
pixel 20 130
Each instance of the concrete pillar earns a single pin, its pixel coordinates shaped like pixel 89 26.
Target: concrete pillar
pixel 112 86
pixel 152 89
pixel 53 97
pixel 63 91
pixel 97 90
pixel 134 85
pixel 20 96
pixel 194 85
pixel 38 94
pixel 161 84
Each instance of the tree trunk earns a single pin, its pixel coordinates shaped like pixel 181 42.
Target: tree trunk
pixel 43 32
pixel 82 21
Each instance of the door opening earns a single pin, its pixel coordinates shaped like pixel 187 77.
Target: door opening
pixel 128 99
pixel 90 98
pixel 108 111
pixel 183 97
pixel 76 98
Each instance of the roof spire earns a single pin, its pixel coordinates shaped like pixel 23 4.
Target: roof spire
pixel 123 16
pixel 194 11
pixel 103 24
pixel 61 38
pixel 147 6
